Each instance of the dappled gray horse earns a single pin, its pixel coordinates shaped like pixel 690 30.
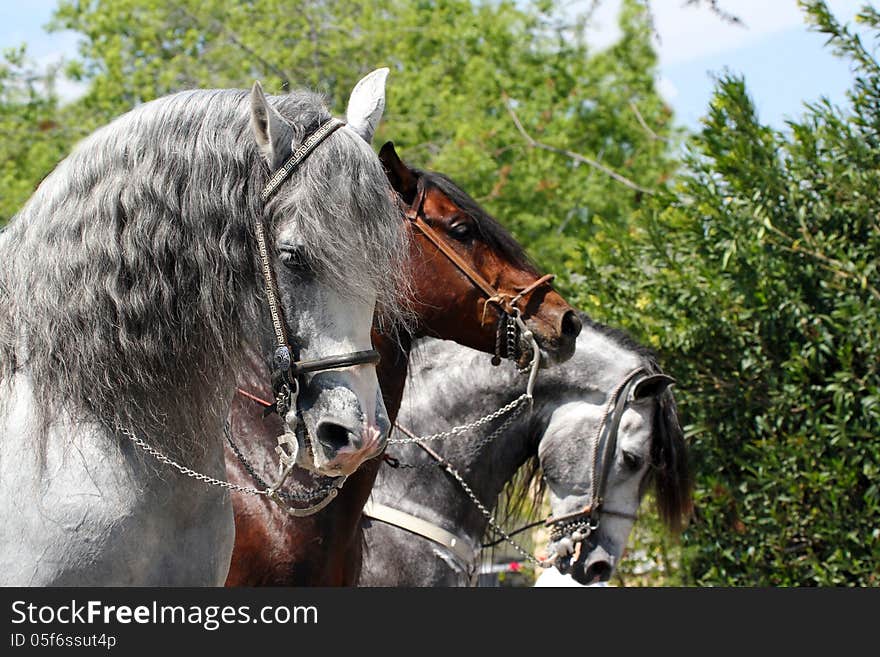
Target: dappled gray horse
pixel 603 428
pixel 134 281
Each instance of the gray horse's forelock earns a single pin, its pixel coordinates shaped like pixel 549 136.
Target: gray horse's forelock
pixel 129 282
pixel 336 203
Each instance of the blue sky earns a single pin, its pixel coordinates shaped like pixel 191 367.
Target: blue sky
pixel 784 64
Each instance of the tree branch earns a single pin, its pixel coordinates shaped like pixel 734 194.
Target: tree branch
pixel 716 9
pixel 236 41
pixel 577 157
pixel 653 135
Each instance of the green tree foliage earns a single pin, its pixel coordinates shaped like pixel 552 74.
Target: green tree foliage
pixel 758 278
pixel 32 133
pixel 458 69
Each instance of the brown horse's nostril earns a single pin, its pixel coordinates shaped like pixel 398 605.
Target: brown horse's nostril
pixel 332 435
pixel 571 325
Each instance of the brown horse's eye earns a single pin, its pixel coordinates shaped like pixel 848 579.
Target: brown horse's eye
pixel 461 231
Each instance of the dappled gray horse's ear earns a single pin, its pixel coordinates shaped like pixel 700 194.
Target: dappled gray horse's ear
pixel 652 386
pixel 366 104
pixel 401 177
pixel 272 132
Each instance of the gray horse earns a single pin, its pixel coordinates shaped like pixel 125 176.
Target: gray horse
pixel 130 284
pixel 426 531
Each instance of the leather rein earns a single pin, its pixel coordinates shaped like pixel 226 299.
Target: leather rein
pixel 506 303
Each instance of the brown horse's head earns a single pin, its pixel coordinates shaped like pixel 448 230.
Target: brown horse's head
pixel 454 304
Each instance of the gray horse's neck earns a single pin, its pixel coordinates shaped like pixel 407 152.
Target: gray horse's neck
pixel 101 511
pixel 486 466
pixel 451 385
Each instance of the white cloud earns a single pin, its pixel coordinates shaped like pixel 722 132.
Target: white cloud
pixel 70 90
pixel 688 33
pixel 602 30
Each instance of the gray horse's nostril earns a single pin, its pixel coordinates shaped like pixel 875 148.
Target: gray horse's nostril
pixel 571 324
pixel 333 436
pixel 598 571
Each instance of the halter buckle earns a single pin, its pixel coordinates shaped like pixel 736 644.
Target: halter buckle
pixel 287 450
pixel 282 358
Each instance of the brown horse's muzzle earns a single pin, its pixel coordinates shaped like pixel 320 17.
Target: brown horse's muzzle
pixel 555 325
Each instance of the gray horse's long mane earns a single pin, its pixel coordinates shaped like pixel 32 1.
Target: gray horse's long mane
pixel 129 282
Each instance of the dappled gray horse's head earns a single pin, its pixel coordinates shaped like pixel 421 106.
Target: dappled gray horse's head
pixel 329 291
pixel 620 390
pixel 131 280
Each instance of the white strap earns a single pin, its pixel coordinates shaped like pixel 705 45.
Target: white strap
pixel 458 546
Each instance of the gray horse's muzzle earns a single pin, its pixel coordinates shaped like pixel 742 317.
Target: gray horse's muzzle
pixel 593 565
pixel 340 433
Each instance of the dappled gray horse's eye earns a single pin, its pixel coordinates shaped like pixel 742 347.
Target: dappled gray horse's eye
pixel 632 461
pixel 292 256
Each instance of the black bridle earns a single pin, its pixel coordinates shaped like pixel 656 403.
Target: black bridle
pixel 579 526
pixel 287 369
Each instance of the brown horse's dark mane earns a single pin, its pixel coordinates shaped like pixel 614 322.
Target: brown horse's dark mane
pixel 491 230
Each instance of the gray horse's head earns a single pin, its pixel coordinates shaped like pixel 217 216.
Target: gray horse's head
pixel 649 449
pixel 329 304
pixel 138 254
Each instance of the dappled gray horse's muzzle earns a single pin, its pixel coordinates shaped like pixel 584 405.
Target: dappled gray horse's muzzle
pixel 344 422
pixel 593 565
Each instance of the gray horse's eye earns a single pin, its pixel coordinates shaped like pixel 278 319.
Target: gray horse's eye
pixel 632 461
pixel 292 256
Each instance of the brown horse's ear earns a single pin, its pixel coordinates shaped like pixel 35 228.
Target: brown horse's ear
pixel 652 386
pixel 401 177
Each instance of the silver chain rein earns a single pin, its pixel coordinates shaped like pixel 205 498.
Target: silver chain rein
pixel 514 405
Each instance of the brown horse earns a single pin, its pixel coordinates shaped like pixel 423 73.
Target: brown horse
pixel 468 275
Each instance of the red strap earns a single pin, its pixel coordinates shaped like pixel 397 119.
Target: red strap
pixel 259 400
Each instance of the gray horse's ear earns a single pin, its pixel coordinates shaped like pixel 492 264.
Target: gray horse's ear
pixel 272 132
pixel 366 104
pixel 401 177
pixel 652 386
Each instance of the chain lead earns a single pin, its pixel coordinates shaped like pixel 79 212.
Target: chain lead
pixel 540 563
pixel 455 431
pixel 271 492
